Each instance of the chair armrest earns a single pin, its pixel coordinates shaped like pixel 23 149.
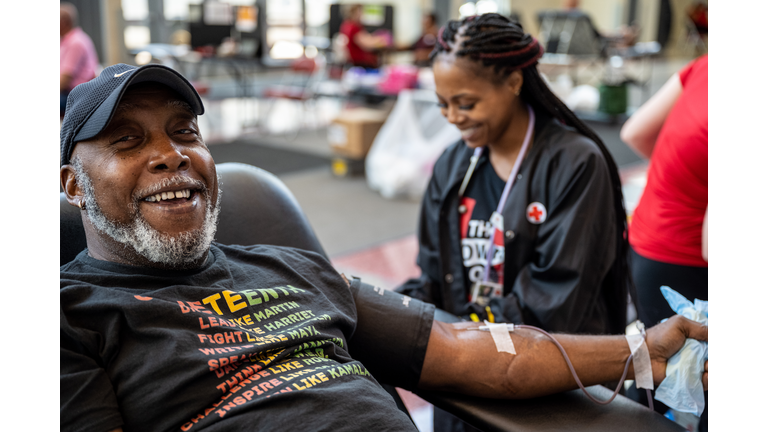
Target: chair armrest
pixel 563 411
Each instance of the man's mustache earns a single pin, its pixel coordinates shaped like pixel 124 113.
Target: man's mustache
pixel 175 181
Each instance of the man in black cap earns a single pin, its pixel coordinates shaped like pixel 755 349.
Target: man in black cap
pixel 162 329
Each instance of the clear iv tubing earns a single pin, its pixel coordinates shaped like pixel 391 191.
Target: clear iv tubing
pixel 576 377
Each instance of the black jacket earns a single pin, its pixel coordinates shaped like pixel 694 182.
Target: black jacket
pixel 558 272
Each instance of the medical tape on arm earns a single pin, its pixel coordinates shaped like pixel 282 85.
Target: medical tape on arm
pixel 641 361
pixel 500 334
pixel 496 332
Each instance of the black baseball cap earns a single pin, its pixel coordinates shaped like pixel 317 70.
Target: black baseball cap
pixel 91 105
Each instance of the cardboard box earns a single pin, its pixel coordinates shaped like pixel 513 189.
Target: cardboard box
pixel 352 132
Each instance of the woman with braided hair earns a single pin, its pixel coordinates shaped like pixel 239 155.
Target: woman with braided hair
pixel 523 220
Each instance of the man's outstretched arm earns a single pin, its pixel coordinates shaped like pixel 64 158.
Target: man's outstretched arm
pixel 467 361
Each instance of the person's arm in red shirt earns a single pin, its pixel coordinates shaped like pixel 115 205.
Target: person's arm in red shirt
pixel 642 129
pixel 369 42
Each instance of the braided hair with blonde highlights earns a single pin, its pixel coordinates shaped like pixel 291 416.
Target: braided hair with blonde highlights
pixel 494 41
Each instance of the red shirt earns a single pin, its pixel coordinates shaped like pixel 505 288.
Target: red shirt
pixel 666 225
pixel 357 55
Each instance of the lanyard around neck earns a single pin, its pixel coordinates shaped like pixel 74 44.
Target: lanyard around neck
pixel 515 168
pixel 508 187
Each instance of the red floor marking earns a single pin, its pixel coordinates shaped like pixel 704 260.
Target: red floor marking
pixel 411 401
pixel 393 262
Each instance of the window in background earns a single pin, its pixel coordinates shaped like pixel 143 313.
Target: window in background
pixel 178 10
pixel 318 13
pixel 284 33
pixel 217 13
pixel 136 15
pixel 136 37
pixel 135 10
pixel 483 7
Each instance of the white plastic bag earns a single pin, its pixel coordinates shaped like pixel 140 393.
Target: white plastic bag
pixel 682 389
pixel 399 163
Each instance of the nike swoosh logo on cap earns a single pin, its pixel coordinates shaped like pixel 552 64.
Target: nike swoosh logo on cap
pixel 121 74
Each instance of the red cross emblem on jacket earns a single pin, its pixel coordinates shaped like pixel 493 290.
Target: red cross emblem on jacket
pixel 536 213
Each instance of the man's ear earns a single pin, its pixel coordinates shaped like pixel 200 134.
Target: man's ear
pixel 515 82
pixel 71 188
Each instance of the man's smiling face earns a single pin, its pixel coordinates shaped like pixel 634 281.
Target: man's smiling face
pixel 148 182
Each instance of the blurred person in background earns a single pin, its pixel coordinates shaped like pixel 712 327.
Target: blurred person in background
pixel 560 248
pixel 78 61
pixel 361 45
pixel 698 14
pixel 668 230
pixel 423 47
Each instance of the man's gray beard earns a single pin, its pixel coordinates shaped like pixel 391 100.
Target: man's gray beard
pixel 181 250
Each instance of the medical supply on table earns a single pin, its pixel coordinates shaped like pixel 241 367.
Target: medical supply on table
pixel 641 360
pixel 500 335
pixel 682 389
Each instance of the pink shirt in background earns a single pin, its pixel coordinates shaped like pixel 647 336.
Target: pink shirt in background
pixel 77 57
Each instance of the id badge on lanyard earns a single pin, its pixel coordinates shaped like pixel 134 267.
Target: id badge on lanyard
pixel 484 290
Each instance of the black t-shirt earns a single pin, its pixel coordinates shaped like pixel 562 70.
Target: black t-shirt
pixel 256 339
pixel 480 201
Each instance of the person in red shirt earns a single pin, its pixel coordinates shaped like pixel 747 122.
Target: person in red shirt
pixel 671 129
pixel 361 45
pixel 668 232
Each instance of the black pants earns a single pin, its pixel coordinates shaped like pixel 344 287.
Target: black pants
pixel 649 276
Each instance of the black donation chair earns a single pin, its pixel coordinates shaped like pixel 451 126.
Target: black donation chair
pixel 257 208
pixel 570 32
